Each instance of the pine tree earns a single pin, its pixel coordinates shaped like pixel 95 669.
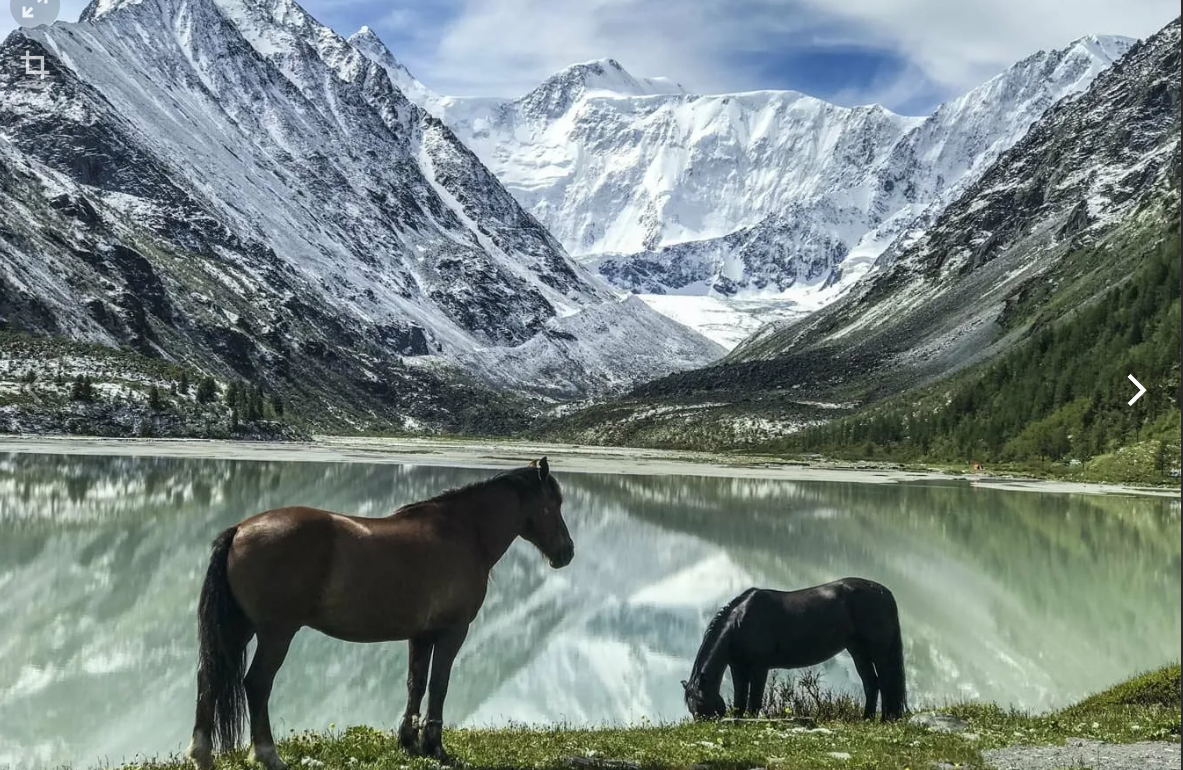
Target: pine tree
pixel 255 405
pixel 82 389
pixel 207 390
pixel 183 384
pixel 155 401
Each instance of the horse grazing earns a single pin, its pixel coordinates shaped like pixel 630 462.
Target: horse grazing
pixel 762 629
pixel 419 574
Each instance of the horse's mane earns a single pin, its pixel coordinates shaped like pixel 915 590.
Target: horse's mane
pixel 714 630
pixel 522 480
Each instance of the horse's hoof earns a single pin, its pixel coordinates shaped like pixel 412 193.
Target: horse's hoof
pixel 439 755
pixel 408 738
pixel 200 752
pixel 268 757
pixel 433 743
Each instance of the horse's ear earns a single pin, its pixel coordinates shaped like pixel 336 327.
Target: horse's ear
pixel 684 684
pixel 543 469
pixel 533 464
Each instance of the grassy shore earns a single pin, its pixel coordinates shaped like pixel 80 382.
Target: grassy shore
pixel 1144 708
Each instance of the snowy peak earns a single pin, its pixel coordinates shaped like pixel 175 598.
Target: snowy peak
pixel 555 95
pixel 1103 160
pixel 953 147
pixel 367 42
pixel 615 165
pixel 1104 47
pixel 98 8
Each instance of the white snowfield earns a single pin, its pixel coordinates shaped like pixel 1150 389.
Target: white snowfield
pixel 770 195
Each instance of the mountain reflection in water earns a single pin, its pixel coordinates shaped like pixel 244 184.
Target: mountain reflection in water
pixel 1022 598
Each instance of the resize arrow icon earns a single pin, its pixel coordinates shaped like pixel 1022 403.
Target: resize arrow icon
pixel 1140 388
pixel 26 12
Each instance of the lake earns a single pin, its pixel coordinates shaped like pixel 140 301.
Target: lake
pixel 1019 597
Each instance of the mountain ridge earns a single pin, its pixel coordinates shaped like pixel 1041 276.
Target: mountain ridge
pixel 270 197
pixel 1061 216
pixel 687 195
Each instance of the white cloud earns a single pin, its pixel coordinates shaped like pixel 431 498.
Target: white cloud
pixel 508 46
pixel 959 44
pixel 942 47
pixel 505 47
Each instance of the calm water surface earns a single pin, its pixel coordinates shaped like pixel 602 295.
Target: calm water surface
pixel 1018 597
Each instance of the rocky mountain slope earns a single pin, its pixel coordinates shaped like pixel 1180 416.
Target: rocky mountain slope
pixel 733 196
pixel 1060 217
pixel 1102 159
pixel 229 184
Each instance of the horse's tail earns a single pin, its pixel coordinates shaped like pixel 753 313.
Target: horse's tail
pixel 222 635
pixel 890 670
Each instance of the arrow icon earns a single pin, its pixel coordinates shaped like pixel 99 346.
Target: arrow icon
pixel 26 12
pixel 1139 386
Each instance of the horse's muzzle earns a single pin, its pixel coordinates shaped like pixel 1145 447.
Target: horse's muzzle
pixel 564 556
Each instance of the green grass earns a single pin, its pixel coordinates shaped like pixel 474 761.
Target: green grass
pixel 1144 708
pixel 1159 688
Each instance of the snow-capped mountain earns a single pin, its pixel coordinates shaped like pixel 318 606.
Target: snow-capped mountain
pixel 1103 159
pixel 1075 207
pixel 748 195
pixel 230 183
pixel 366 41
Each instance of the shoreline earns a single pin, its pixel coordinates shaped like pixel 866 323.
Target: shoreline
pixel 1133 725
pixel 564 458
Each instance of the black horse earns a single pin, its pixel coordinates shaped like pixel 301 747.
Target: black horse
pixel 762 629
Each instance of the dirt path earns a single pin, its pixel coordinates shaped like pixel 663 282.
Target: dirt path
pixel 1080 753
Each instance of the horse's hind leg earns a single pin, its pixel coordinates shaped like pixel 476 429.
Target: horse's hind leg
pixel 201 746
pixel 269 656
pixel 418 663
pixel 756 690
pixel 866 671
pixel 447 645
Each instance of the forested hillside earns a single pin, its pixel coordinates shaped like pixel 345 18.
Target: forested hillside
pixel 1061 396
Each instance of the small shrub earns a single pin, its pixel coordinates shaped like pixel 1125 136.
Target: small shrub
pixel 802 695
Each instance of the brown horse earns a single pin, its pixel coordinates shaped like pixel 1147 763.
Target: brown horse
pixel 419 574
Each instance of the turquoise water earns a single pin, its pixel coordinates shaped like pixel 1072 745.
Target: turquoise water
pixel 1025 598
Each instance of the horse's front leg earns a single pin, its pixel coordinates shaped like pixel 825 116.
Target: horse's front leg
pixel 270 652
pixel 447 645
pixel 418 663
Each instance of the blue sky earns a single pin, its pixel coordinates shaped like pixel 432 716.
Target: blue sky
pixel 908 55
